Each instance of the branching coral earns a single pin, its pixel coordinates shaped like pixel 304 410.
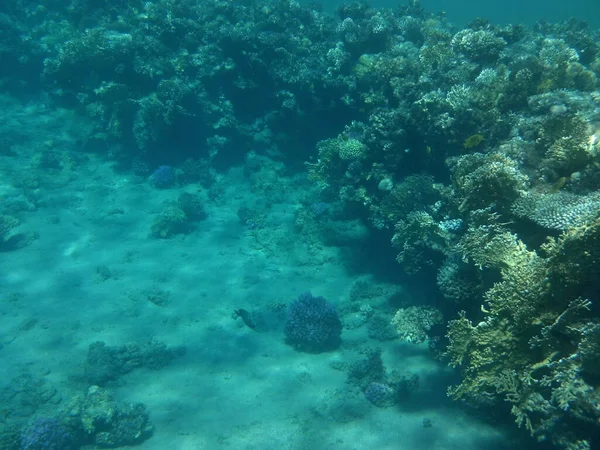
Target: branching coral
pixel 537 347
pixel 313 324
pixel 459 282
pixel 488 246
pixel 564 140
pixel 412 193
pixel 420 241
pixel 413 323
pixel 480 45
pixel 335 156
pixel 481 179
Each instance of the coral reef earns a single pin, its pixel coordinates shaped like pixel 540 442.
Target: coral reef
pixel 109 425
pixel 475 151
pixel 535 348
pixel 37 418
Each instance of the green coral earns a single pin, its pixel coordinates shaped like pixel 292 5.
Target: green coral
pixel 575 255
pixel 556 56
pixel 342 147
pixel 334 157
pixel 420 241
pixel 364 66
pixel 564 141
pixel 481 179
pixel 171 220
pixel 178 217
pixel 411 194
pixel 489 246
pixel 351 149
pixel 480 45
pixel 589 349
pixel 413 323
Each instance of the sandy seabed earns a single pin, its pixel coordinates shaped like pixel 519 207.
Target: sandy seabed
pixel 86 274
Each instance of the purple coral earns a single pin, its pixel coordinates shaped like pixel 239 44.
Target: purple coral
pixel 45 433
pixel 319 208
pixel 381 395
pixel 163 177
pixel 313 324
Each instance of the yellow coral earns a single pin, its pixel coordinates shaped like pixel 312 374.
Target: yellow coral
pixel 351 149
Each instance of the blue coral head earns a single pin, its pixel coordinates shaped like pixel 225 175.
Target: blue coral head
pixel 313 324
pixel 163 177
pixel 46 433
pixel 380 394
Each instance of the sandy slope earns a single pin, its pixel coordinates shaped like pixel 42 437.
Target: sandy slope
pixel 234 388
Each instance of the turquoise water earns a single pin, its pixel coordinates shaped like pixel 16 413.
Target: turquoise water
pixel 262 225
pixel 505 12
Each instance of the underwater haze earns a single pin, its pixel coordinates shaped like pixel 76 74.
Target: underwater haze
pixel 461 12
pixel 264 224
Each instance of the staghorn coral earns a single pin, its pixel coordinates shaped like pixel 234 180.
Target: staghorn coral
pixel 481 179
pixel 536 349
